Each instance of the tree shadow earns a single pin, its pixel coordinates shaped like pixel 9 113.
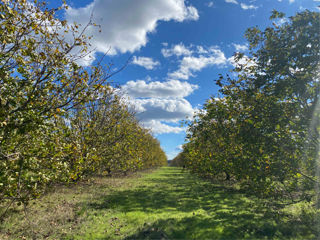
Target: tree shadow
pixel 180 192
pixel 229 214
pixel 224 226
pixel 198 227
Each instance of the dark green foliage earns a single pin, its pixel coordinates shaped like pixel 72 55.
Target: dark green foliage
pixel 263 130
pixel 177 161
pixel 59 121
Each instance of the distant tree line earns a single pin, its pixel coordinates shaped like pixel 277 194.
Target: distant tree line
pixel 262 130
pixel 59 121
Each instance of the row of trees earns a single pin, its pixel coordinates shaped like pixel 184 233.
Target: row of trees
pixel 59 121
pixel 263 128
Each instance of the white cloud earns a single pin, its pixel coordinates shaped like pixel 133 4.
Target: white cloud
pixel 201 50
pixel 157 127
pixel 159 103
pixel 291 1
pixel 240 48
pixel 170 110
pixel 145 62
pixel 231 1
pixel 191 64
pixel 247 7
pixel 177 50
pixel 173 154
pixel 156 113
pixel 125 24
pixel 156 89
pixel 210 4
pixel 179 147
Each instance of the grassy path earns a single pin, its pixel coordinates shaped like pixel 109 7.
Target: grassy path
pixel 164 204
pixel 169 204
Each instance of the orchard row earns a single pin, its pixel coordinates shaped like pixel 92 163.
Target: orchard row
pixel 262 130
pixel 59 121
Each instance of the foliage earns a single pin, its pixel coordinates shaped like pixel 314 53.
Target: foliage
pixel 59 121
pixel 263 129
pixel 178 161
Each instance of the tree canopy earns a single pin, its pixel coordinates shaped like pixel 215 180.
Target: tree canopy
pixel 59 121
pixel 263 128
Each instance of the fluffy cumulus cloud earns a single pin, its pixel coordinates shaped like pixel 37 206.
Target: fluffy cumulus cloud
pixel 145 62
pixel 176 50
pixel 125 24
pixel 231 1
pixel 159 128
pixel 248 7
pixel 240 48
pixel 170 110
pixel 201 58
pixel 243 5
pixel 156 89
pixel 158 104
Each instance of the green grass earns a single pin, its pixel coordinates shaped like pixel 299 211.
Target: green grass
pixel 164 204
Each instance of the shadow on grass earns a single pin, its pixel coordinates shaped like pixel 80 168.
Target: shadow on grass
pixel 213 212
pixel 205 228
pixel 177 191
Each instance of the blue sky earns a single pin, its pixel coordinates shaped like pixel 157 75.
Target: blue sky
pixel 177 49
